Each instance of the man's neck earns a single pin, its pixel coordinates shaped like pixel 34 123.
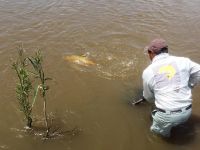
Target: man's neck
pixel 159 56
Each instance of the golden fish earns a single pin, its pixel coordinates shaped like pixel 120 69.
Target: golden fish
pixel 81 60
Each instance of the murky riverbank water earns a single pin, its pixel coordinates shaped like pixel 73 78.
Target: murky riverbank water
pixel 95 98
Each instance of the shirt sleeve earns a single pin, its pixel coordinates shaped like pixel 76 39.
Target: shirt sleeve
pixel 147 87
pixel 194 73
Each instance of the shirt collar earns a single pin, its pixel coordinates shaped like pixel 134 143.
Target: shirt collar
pixel 160 56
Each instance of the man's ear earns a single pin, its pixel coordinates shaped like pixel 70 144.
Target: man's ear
pixel 149 52
pixel 151 55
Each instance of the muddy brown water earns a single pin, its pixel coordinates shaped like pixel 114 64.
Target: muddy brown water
pixel 95 99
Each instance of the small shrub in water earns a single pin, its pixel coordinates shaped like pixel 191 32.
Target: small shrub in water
pixel 36 62
pixel 24 87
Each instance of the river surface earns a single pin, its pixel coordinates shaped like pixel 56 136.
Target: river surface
pixel 94 99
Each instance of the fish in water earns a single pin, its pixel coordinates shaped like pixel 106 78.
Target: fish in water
pixel 80 60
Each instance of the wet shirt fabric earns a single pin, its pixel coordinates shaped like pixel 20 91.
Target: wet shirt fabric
pixel 168 80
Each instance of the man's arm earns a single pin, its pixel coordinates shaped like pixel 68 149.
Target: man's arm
pixel 147 86
pixel 194 74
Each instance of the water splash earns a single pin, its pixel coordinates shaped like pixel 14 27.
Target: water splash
pixel 105 65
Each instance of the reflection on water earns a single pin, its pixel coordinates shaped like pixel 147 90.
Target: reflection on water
pixel 94 98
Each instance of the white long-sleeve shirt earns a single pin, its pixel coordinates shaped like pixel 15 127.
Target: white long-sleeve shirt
pixel 168 80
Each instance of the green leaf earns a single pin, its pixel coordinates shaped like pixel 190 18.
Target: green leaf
pixel 35 95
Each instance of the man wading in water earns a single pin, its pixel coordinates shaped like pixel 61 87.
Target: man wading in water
pixel 168 81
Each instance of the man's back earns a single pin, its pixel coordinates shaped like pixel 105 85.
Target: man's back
pixel 168 79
